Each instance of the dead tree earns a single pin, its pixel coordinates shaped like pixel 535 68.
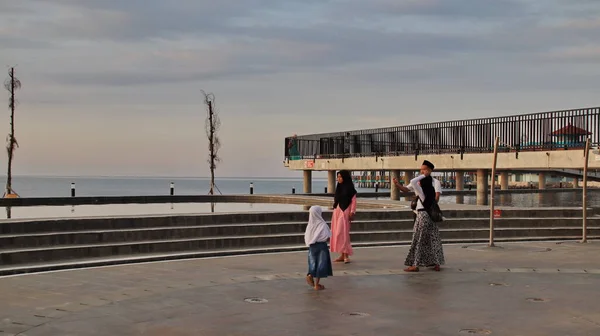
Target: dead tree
pixel 212 125
pixel 11 84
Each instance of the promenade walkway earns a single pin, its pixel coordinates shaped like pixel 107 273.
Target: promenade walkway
pixel 517 289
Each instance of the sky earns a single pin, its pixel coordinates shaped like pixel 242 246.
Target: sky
pixel 112 87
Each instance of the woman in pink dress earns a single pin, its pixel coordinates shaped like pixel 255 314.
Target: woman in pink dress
pixel 344 208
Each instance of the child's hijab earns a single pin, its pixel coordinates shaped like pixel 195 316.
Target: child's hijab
pixel 317 229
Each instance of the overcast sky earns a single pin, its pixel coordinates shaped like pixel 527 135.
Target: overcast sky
pixel 112 87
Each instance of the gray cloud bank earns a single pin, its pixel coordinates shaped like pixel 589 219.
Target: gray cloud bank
pixel 149 42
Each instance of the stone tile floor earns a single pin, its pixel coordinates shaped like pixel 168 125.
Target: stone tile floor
pixel 515 289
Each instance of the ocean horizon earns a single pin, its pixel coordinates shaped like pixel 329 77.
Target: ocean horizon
pixel 60 186
pixel 3 176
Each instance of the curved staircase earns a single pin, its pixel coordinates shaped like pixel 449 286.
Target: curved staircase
pixel 53 244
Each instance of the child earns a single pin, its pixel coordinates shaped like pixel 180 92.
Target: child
pixel 316 236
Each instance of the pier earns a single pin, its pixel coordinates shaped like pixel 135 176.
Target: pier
pixel 545 144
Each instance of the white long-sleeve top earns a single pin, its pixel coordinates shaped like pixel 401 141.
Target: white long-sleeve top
pixel 416 187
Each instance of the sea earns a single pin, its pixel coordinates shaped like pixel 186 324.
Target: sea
pixel 49 186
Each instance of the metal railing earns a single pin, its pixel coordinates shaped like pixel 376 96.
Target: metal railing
pixel 529 132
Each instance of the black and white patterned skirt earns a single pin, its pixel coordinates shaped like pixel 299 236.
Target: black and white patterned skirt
pixel 426 247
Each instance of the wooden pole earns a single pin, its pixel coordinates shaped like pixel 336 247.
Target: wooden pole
pixel 492 192
pixel 586 161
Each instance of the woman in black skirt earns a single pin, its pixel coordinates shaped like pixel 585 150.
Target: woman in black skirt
pixel 426 247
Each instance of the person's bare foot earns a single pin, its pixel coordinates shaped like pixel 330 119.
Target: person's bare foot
pixel 319 287
pixel 411 269
pixel 340 259
pixel 310 281
pixel 346 260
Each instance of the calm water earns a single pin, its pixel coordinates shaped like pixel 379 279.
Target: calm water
pixel 127 186
pixel 554 199
pixel 141 209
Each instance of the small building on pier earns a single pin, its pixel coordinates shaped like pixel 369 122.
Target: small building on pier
pixel 570 136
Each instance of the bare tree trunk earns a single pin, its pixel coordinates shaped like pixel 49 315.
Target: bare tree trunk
pixel 11 136
pixel 211 144
pixel 212 126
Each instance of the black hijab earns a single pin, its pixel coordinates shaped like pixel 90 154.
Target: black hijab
pixel 429 191
pixel 344 192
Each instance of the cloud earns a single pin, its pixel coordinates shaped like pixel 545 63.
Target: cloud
pixel 291 66
pixel 444 8
pixel 263 37
pixel 151 42
pixel 8 42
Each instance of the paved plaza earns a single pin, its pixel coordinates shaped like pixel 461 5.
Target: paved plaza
pixel 515 289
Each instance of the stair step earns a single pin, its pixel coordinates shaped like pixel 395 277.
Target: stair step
pixel 91 223
pixel 155 257
pixel 443 231
pixel 356 224
pixel 75 251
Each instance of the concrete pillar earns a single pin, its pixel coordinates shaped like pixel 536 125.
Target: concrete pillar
pixel 460 199
pixel 575 182
pixel 482 186
pixel 308 182
pixel 331 180
pixel 395 192
pixel 542 181
pixel 504 180
pixel 408 175
pixel 460 180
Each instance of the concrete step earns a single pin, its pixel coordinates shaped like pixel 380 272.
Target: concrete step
pixel 20 226
pixel 78 251
pixel 7 270
pixel 78 237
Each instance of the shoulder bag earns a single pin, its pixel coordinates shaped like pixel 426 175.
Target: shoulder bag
pixel 434 211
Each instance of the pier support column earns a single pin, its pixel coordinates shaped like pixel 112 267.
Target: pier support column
pixel 394 191
pixel 542 181
pixel 504 180
pixel 308 182
pixel 482 186
pixel 331 179
pixel 575 182
pixel 459 179
pixel 408 175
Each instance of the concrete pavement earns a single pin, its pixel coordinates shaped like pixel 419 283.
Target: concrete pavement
pixel 516 289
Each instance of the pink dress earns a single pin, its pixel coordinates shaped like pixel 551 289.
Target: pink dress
pixel 340 229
